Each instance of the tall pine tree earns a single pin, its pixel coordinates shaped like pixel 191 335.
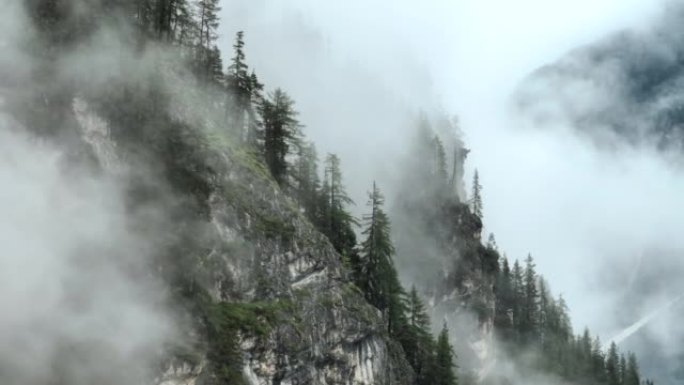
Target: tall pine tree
pixel 476 198
pixel 379 278
pixel 281 129
pixel 208 22
pixel 239 86
pixel 444 360
pixel 530 310
pixel 338 224
pixel 417 340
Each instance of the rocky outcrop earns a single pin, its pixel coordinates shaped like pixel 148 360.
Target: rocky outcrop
pixel 465 297
pixel 259 247
pixel 439 249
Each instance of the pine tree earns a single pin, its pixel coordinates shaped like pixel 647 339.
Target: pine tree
pixel 238 68
pixel 503 317
pixel 585 353
pixel 613 365
pixel 598 363
pixel 530 311
pixel 632 376
pixel 476 198
pixel 546 317
pixel 167 14
pixel 184 27
pixel 254 125
pixel 377 251
pixel 214 65
pixel 444 360
pixel 280 132
pixel 207 13
pixel 307 182
pixel 564 324
pixel 518 297
pixel 427 167
pixel 491 242
pixel 379 278
pixel 339 223
pixel 240 86
pixel 417 340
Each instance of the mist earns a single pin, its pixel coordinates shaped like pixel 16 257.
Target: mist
pixel 79 305
pixel 361 72
pixel 82 303
pixel 76 276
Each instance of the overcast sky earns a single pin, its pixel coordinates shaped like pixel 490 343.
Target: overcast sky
pixel 358 69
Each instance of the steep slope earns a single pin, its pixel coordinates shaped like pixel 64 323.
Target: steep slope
pixel 440 248
pixel 243 267
pixel 258 247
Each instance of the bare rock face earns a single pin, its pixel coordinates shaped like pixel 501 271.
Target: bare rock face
pixel 180 373
pixel 259 247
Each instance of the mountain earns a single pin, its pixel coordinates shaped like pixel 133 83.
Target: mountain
pixel 624 93
pixel 247 259
pixel 622 90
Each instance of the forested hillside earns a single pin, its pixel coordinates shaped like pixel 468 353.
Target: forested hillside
pixel 270 278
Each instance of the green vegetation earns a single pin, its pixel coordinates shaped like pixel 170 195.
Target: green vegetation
pixel 227 323
pixel 405 316
pixel 529 319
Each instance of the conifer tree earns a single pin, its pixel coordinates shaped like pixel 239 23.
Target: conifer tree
pixel 427 167
pixel 208 22
pixel 565 326
pixel 585 351
pixel 518 297
pixel 338 224
pixel 528 326
pixel 476 198
pixel 254 125
pixel 632 376
pixel 444 360
pixel 613 365
pixel 167 14
pixel 598 363
pixel 379 278
pixel 546 316
pixel 491 242
pixel 240 86
pixel 280 132
pixel 184 28
pixel 307 182
pixel 417 340
pixel 504 301
pixel 214 65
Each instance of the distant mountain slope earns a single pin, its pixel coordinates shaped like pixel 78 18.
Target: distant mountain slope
pixel 626 90
pixel 628 86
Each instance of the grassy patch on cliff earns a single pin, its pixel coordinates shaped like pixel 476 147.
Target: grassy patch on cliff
pixel 227 323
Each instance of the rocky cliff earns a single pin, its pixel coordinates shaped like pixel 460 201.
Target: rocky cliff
pixel 440 251
pixel 256 246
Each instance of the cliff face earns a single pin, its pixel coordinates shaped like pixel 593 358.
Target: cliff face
pixel 439 249
pixel 257 247
pixel 464 297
